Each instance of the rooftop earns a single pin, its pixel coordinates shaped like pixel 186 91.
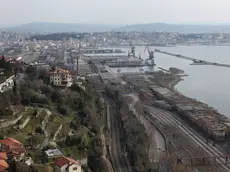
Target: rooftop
pixel 11 142
pixel 3 164
pixel 3 156
pixel 53 152
pixel 65 160
pixel 227 124
pixel 61 71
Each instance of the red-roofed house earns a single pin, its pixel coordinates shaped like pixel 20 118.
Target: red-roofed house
pixel 3 156
pixel 65 164
pixel 3 165
pixel 12 146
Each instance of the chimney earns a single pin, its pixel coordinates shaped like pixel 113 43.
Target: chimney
pixel 77 64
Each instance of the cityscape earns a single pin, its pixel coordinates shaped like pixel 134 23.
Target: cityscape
pixel 144 97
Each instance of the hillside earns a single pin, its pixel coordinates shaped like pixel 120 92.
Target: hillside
pixel 42 27
pixel 162 27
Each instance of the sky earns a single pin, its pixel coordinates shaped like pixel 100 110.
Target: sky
pixel 115 11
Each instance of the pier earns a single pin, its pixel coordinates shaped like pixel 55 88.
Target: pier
pixel 194 60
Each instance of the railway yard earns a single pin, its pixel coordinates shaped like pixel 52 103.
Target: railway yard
pixel 196 135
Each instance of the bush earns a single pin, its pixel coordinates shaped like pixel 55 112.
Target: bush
pixel 62 110
pixel 76 88
pixel 73 140
pixel 39 130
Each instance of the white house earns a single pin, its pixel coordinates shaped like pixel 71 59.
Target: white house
pixel 65 164
pixel 61 77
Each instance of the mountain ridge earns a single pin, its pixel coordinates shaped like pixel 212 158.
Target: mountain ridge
pixel 52 27
pixel 181 28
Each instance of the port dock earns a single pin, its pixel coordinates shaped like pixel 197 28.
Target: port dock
pixel 194 60
pixel 101 51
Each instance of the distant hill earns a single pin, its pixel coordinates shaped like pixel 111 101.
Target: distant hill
pixel 48 27
pixel 162 27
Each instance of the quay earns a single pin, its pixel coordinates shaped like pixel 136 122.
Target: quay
pixel 101 51
pixel 194 60
pixel 118 60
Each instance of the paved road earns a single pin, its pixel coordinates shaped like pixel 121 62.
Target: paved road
pixel 119 161
pixel 168 118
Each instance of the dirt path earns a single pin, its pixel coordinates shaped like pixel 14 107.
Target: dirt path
pixel 46 133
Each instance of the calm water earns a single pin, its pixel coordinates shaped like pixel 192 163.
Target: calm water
pixel 208 84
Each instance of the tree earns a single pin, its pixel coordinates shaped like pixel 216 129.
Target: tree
pixel 35 113
pixel 62 109
pixel 42 73
pixel 2 62
pixel 27 96
pixel 72 140
pixel 47 90
pixel 31 71
pixel 57 97
pixel 85 141
pixel 35 139
pixel 39 130
pixel 16 98
pixel 15 86
pixel 76 88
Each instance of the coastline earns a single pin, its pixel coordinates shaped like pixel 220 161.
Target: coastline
pixel 206 118
pixel 176 81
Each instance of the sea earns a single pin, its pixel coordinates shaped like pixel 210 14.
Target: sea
pixel 208 84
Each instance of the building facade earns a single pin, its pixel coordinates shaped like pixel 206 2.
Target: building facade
pixel 66 164
pixel 61 78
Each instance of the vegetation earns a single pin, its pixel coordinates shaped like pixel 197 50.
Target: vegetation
pixel 6 66
pixel 76 110
pixel 135 137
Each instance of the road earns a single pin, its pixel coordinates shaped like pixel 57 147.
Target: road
pixel 120 162
pixel 168 118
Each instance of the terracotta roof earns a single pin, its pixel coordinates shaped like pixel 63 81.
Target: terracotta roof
pixel 14 140
pixel 61 71
pixel 3 156
pixel 3 164
pixel 17 150
pixel 11 142
pixel 65 160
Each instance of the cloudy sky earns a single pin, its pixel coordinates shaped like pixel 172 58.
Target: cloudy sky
pixel 115 11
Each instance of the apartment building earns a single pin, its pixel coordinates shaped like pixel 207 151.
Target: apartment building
pixel 61 78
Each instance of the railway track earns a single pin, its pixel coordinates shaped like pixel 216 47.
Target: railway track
pixel 120 163
pixel 168 118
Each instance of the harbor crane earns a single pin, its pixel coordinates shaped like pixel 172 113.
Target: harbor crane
pixel 132 53
pixel 150 60
pixel 151 52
